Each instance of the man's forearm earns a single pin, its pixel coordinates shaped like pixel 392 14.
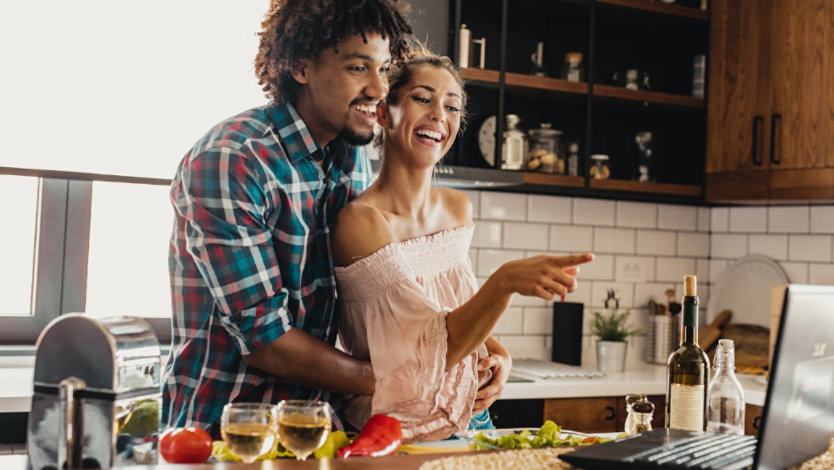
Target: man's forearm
pixel 297 357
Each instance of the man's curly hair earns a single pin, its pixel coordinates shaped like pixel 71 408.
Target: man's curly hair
pixel 296 30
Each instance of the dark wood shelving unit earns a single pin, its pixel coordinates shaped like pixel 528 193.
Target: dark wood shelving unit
pixel 647 96
pixel 659 7
pixel 654 188
pixel 597 113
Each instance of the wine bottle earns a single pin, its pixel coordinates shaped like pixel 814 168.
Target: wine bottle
pixel 687 370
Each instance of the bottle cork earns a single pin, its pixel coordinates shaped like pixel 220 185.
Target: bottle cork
pixel 690 286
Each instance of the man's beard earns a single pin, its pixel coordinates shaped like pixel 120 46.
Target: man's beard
pixel 354 138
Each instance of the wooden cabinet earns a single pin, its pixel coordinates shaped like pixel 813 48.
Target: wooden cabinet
pixel 597 414
pixel 770 118
pixel 752 419
pixel 600 114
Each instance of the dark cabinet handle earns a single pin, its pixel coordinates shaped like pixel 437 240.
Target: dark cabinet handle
pixel 773 118
pixel 611 413
pixel 754 150
pixel 756 421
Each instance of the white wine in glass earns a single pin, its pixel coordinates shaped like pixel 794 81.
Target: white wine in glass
pixel 303 426
pixel 248 429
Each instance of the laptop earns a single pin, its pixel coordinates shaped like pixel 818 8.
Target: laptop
pixel 797 419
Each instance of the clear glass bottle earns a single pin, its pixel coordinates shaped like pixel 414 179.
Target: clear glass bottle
pixel 725 399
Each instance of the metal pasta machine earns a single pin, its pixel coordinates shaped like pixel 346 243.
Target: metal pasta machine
pixel 97 397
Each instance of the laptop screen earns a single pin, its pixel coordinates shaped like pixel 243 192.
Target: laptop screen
pixel 798 417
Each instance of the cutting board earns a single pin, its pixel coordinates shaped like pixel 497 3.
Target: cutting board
pixel 709 335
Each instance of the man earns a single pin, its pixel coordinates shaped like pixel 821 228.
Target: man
pixel 252 281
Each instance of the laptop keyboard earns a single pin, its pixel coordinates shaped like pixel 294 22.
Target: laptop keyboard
pixel 707 451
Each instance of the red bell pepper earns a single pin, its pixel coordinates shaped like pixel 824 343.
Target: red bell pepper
pixel 382 435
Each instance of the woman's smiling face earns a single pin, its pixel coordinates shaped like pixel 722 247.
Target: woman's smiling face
pixel 425 117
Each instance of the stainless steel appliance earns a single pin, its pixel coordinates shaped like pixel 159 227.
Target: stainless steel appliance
pixel 96 394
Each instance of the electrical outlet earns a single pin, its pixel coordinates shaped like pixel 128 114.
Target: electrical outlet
pixel 631 270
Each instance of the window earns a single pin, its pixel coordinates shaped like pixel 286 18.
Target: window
pixel 18 211
pixel 127 270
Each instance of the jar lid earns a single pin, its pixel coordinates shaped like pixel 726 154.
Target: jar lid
pixel 545 130
pixel 573 57
pixel 599 156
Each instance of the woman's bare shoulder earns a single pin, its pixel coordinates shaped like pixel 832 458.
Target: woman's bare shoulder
pixel 359 231
pixel 456 204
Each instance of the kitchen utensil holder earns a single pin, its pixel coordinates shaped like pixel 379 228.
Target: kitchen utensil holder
pixel 662 337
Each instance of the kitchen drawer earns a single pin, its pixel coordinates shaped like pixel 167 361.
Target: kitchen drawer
pixel 584 414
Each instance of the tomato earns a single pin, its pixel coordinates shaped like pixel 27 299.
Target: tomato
pixel 185 445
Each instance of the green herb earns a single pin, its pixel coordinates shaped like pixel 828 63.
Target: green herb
pixel 611 327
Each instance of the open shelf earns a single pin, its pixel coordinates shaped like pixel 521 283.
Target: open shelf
pixel 623 93
pixel 553 180
pixel 654 188
pixel 659 7
pixel 523 81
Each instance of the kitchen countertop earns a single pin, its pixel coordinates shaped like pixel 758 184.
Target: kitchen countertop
pixel 16 387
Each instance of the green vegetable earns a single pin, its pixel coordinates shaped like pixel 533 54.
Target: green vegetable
pixel 335 440
pixel 143 420
pixel 549 435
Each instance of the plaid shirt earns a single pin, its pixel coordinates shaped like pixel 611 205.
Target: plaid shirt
pixel 250 257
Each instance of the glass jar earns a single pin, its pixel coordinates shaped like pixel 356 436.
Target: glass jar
pixel 546 152
pixel 514 148
pixel 573 71
pixel 599 167
pixel 573 159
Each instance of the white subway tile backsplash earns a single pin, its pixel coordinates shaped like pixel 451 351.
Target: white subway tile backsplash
pixel 475 197
pixel 624 291
pixel 510 323
pixel 716 268
pixel 503 206
pixel 774 246
pixel 593 212
pixel 656 290
pixel 614 240
pixel 553 209
pixel 788 219
pixel 704 219
pixel 583 291
pixel 487 234
pixel 674 269
pixel 693 244
pixel 702 270
pixel 651 242
pixel 748 219
pixel 821 274
pixel 525 236
pixel 677 217
pixel 490 260
pixel 571 238
pixel 538 321
pixel 636 214
pixel 600 269
pixel 720 219
pixel 797 272
pixel 822 219
pixel 816 248
pixel 526 346
pixel 728 246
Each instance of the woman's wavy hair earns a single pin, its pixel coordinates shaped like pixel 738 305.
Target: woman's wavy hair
pixel 401 74
pixel 297 30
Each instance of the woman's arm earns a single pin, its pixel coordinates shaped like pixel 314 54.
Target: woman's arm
pixel 541 276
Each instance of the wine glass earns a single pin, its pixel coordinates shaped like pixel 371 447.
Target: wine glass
pixel 303 425
pixel 249 429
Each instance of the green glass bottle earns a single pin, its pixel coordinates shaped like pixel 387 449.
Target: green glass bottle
pixel 687 370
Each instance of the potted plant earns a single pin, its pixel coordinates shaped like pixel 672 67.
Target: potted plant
pixel 612 332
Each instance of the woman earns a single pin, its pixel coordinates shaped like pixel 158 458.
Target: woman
pixel 410 301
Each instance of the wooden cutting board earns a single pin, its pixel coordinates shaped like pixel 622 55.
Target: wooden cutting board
pixel 709 335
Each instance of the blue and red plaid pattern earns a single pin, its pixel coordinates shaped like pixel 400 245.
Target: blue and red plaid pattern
pixel 250 257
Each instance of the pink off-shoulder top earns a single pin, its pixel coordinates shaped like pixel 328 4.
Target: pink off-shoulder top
pixel 394 307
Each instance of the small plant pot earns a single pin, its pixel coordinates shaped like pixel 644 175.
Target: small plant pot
pixel 611 356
